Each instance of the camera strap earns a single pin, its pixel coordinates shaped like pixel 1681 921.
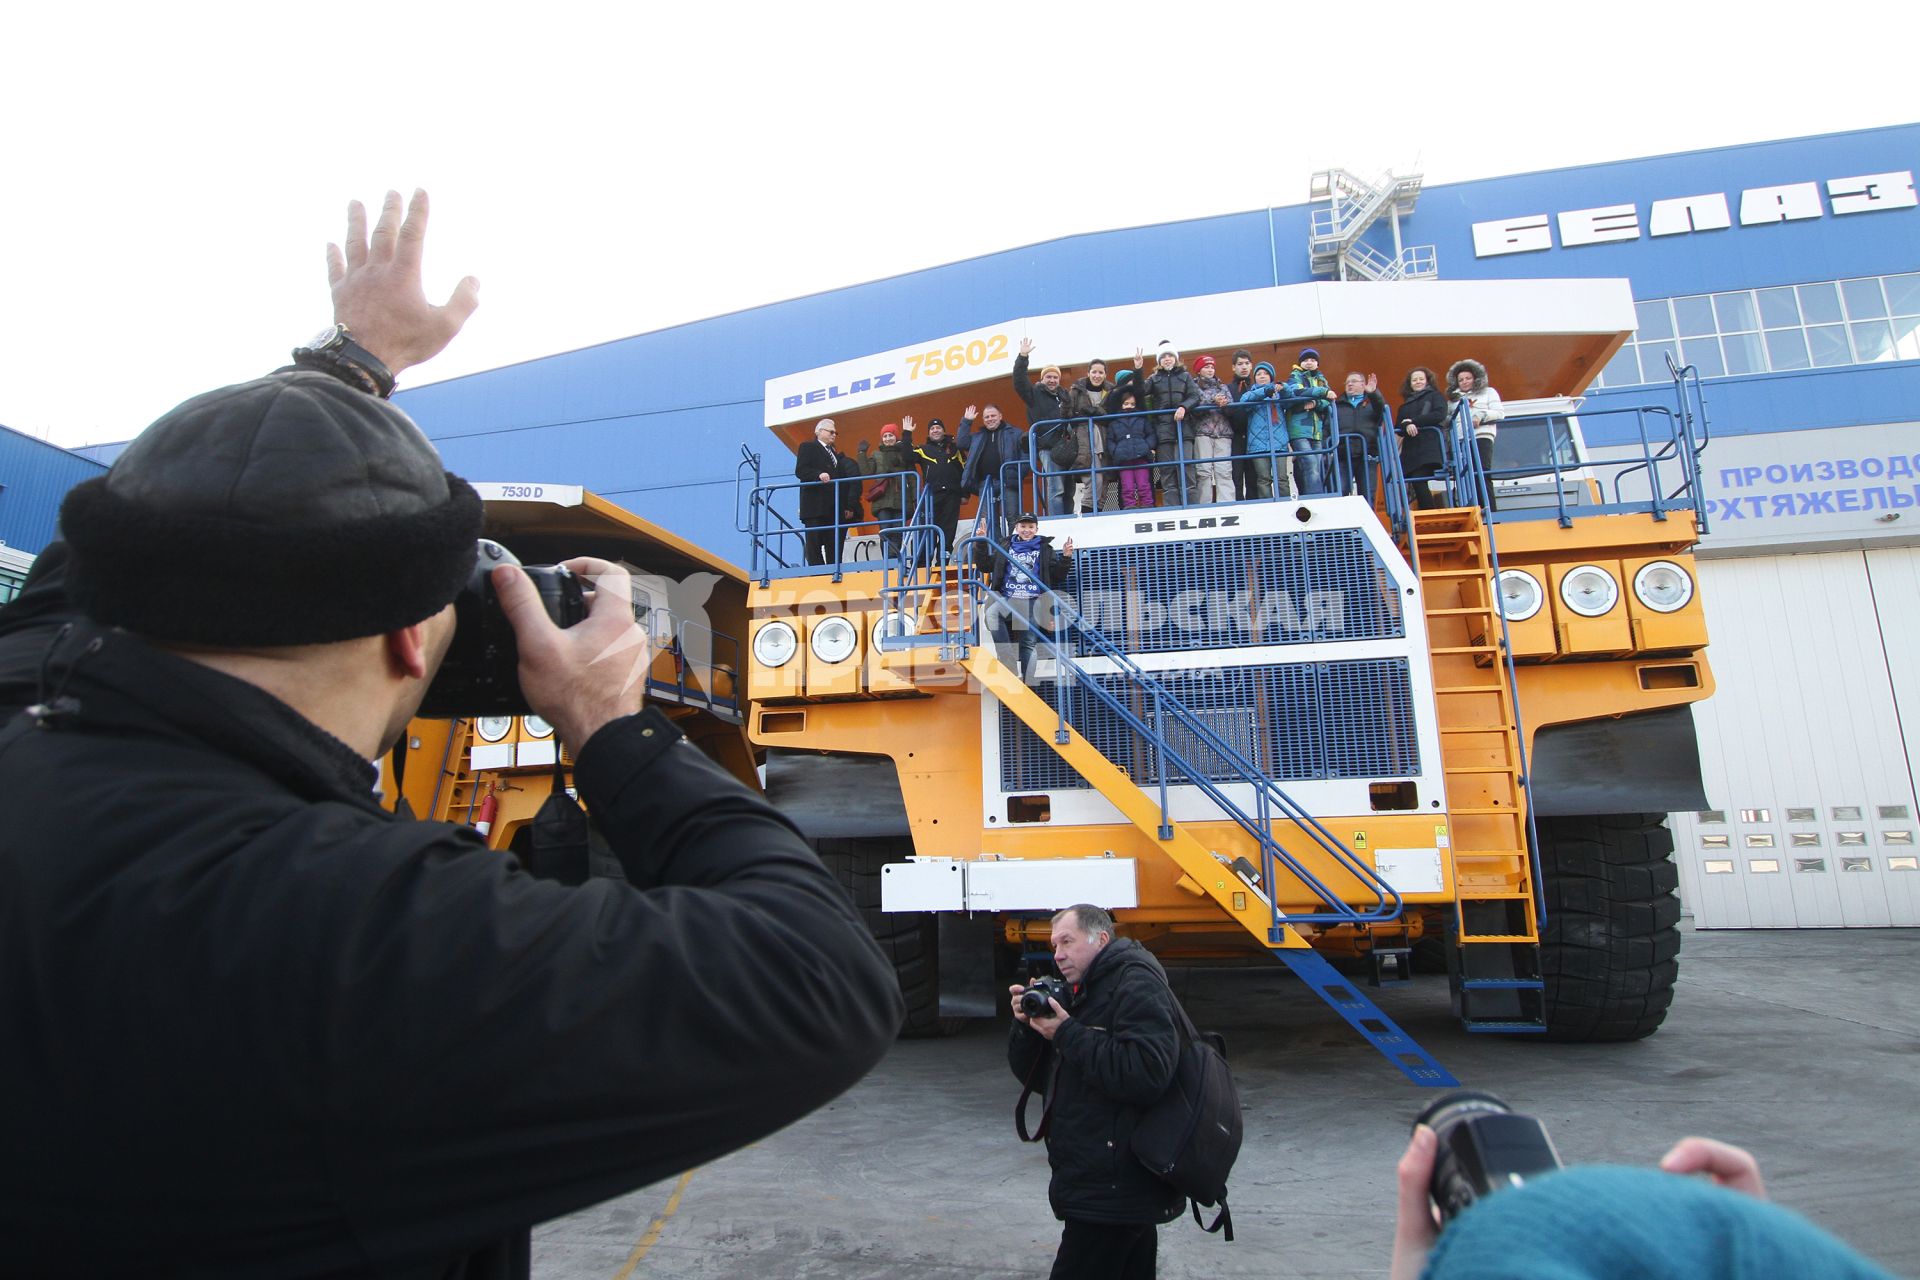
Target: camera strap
pixel 557 839
pixel 397 769
pixel 1047 1057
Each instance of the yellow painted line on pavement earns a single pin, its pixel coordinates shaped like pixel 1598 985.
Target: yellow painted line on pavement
pixel 655 1228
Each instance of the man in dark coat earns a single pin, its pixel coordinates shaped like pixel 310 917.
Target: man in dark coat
pixel 1362 414
pixel 251 1022
pixel 942 466
pixel 1046 403
pixel 1100 1061
pixel 1236 388
pixel 989 451
pixel 822 504
pixel 1171 389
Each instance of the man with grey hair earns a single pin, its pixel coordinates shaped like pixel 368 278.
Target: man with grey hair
pixel 1099 1061
pixel 819 462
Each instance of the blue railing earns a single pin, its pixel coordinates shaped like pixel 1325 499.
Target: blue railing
pixel 702 689
pixel 1333 457
pixel 958 631
pixel 778 545
pixel 1668 459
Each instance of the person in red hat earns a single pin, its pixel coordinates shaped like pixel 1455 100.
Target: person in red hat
pixel 891 495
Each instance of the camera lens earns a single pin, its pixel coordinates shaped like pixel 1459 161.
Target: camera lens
pixel 1483 1146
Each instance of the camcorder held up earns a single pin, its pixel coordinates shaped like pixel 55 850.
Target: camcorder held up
pixel 1034 1000
pixel 481 673
pixel 1483 1146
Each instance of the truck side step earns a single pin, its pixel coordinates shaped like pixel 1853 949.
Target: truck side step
pixel 1364 1016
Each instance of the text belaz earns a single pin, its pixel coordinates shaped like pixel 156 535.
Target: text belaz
pixel 824 394
pixel 1170 526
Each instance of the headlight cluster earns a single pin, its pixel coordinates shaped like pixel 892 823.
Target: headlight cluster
pixel 833 640
pixel 775 644
pixel 1589 590
pixel 496 728
pixel 1663 586
pixel 892 625
pixel 1520 595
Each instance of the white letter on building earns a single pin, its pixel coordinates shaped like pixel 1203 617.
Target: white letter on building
pixel 1515 235
pixel 1779 204
pixel 1597 226
pixel 1689 213
pixel 1872 191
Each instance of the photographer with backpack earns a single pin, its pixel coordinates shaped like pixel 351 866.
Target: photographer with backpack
pixel 1106 1060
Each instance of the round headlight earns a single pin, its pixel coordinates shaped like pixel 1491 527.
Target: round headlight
pixel 493 728
pixel 536 727
pixel 1589 590
pixel 1663 586
pixel 775 644
pixel 1520 595
pixel 892 625
pixel 833 640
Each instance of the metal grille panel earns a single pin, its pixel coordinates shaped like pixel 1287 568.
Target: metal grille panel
pixel 1227 593
pixel 1303 721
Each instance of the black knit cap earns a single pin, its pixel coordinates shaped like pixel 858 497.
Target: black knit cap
pixel 288 510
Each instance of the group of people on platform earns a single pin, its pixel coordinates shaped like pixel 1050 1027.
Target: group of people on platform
pixel 1179 435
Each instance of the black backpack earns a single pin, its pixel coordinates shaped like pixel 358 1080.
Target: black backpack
pixel 1191 1136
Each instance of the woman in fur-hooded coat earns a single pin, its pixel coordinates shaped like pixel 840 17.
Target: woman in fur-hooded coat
pixel 1484 406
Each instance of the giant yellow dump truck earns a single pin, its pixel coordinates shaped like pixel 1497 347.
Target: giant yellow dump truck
pixel 1336 732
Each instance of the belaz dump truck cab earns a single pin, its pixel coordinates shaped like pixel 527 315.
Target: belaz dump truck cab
pixel 1346 726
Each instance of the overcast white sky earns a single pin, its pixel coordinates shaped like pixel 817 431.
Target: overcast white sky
pixel 174 171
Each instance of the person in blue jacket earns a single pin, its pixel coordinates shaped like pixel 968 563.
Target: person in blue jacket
pixel 1309 415
pixel 1266 429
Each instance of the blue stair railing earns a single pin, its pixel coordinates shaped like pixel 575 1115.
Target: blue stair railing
pixel 1272 805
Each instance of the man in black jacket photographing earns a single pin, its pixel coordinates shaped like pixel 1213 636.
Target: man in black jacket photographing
pixel 254 1024
pixel 1099 1061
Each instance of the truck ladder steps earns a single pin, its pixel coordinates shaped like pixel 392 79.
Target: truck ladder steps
pixel 1495 930
pixel 1252 911
pixel 1364 1016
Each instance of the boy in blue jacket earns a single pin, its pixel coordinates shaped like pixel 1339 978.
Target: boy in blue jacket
pixel 1309 409
pixel 1266 429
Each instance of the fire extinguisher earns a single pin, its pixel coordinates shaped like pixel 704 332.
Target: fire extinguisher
pixel 489 806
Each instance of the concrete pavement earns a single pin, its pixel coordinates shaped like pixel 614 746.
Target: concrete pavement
pixel 1801 1046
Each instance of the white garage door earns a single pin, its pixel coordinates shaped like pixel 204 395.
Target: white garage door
pixel 1808 744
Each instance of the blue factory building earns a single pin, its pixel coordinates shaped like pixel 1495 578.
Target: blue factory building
pixel 1787 273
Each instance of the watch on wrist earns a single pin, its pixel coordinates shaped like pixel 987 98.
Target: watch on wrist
pixel 334 351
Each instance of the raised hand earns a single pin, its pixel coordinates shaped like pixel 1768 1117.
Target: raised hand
pixel 1026 346
pixel 865 446
pixel 971 412
pixel 376 286
pixel 906 424
pixel 1373 383
pixel 1139 357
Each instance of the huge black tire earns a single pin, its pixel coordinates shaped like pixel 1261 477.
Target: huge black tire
pixel 910 939
pixel 1609 950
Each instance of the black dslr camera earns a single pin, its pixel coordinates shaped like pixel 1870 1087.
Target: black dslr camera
pixel 481 673
pixel 1033 1001
pixel 1484 1146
